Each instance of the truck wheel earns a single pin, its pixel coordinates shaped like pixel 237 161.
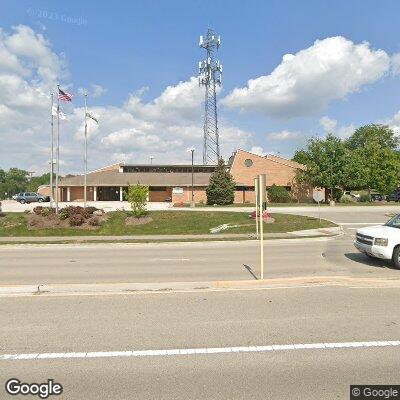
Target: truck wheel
pixel 396 257
pixel 40 200
pixel 22 201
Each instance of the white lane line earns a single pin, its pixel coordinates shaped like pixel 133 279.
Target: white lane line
pixel 207 350
pixel 170 259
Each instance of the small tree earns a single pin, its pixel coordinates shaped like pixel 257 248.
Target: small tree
pixel 137 196
pixel 221 189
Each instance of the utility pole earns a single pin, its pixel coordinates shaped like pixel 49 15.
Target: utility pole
pixel 210 75
pixel 151 160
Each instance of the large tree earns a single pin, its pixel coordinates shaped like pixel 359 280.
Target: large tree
pixel 373 160
pixel 221 189
pixel 325 159
pixel 382 135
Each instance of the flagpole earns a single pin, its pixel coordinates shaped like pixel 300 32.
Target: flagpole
pixel 85 157
pixel 58 146
pixel 52 152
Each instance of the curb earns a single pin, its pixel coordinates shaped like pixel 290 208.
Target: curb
pixel 305 234
pixel 173 287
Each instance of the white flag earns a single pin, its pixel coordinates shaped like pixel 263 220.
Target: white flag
pixel 54 113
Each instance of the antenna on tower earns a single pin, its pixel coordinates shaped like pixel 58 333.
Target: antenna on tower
pixel 210 75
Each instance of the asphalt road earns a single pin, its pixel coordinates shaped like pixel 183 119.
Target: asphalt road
pixel 195 262
pixel 202 320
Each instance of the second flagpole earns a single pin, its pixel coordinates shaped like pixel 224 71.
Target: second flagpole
pixel 58 146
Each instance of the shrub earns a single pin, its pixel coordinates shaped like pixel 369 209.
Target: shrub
pixel 47 211
pixel 94 221
pixel 137 196
pixel 278 194
pixel 346 199
pixel 27 212
pixel 365 198
pixel 63 214
pixel 38 210
pixel 76 220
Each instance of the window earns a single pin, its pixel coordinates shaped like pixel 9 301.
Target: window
pixel 248 163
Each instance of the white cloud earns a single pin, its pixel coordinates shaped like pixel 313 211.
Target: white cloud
pixel 396 63
pixel 283 135
pixel 309 80
pixel 258 150
pixel 163 127
pixel 98 90
pixel 328 124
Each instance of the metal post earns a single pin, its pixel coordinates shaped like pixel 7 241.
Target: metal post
pixel 192 150
pixel 261 186
pixel 85 159
pixel 57 146
pixel 52 153
pixel 256 193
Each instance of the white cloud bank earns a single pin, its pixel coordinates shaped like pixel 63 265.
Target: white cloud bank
pixel 306 82
pixel 163 127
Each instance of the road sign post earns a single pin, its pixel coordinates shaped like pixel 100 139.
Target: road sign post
pixel 256 193
pixel 261 201
pixel 318 196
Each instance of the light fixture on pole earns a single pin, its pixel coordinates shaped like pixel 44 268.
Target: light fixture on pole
pixel 151 160
pixel 192 204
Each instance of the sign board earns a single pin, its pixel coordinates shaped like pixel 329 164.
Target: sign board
pixel 318 196
pixel 177 190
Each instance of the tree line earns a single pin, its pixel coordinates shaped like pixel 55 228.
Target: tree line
pixel 17 180
pixel 368 160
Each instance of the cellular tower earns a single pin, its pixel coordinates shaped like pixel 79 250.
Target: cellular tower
pixel 210 76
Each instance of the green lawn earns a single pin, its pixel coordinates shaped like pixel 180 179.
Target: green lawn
pixel 164 223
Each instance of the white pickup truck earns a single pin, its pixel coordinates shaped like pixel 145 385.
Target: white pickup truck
pixel 381 241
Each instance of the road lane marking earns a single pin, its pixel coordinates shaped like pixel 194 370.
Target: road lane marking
pixel 205 350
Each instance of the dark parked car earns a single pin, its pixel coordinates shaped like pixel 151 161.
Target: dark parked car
pixel 395 196
pixel 377 197
pixel 31 197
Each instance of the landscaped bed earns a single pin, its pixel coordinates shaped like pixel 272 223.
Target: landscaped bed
pixel 161 223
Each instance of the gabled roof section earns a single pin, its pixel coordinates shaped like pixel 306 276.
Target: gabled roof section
pixel 271 157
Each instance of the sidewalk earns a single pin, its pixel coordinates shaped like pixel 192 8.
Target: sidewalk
pixel 327 232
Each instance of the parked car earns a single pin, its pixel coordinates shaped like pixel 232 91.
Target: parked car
pixel 31 197
pixel 354 196
pixel 377 197
pixel 381 241
pixel 395 196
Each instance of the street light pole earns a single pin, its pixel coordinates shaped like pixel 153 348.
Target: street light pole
pixel 192 203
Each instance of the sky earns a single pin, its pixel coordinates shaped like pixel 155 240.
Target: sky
pixel 292 70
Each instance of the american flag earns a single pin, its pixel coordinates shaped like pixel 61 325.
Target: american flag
pixel 64 95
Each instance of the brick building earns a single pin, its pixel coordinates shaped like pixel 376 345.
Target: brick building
pixel 174 182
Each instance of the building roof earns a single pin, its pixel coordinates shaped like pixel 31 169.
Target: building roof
pixel 114 178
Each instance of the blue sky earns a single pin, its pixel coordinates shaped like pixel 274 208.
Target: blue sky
pixel 126 46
